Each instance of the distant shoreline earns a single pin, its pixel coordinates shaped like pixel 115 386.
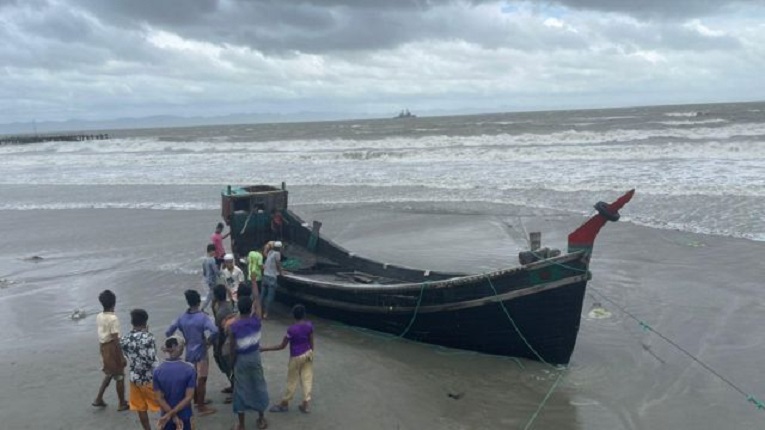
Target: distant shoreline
pixel 171 121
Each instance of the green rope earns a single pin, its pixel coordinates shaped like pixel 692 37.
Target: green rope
pixel 575 269
pixel 389 336
pixel 756 402
pixel 561 370
pixel 515 326
pixel 544 401
pixel 647 328
pixel 416 309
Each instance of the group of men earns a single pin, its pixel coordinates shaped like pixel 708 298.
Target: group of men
pixel 263 269
pixel 170 387
pixel 234 335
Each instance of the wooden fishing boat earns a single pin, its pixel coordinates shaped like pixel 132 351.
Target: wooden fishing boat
pixel 532 310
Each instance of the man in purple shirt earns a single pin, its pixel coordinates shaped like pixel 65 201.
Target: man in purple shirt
pixel 174 382
pixel 300 338
pixel 193 324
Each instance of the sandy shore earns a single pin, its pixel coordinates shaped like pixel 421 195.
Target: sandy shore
pixel 703 292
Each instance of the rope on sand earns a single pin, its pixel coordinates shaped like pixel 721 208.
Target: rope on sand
pixel 647 328
pixel 561 370
pixel 544 401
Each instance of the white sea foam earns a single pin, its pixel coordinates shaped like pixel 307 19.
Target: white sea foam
pixel 692 122
pixel 684 114
pixel 309 147
pixel 179 206
pixel 607 118
pixel 685 157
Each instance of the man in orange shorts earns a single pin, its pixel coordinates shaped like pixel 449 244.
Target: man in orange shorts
pixel 140 348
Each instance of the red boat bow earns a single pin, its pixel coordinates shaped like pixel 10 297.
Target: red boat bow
pixel 583 238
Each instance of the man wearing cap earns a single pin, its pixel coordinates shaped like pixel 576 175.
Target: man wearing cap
pixel 271 270
pixel 232 275
pixel 174 383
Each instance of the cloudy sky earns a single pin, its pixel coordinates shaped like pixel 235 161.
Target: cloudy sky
pixel 102 59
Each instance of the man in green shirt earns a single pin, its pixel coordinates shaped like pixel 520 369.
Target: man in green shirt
pixel 255 269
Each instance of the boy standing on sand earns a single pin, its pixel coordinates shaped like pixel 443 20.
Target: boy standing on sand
pixel 174 383
pixel 300 338
pixel 141 350
pixel 109 338
pixel 210 272
pixel 193 324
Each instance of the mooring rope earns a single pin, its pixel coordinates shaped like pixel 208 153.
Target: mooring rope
pixel 515 326
pixel 544 401
pixel 560 369
pixel 416 309
pixel 247 221
pixel 646 327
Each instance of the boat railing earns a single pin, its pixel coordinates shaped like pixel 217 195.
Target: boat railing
pixel 457 280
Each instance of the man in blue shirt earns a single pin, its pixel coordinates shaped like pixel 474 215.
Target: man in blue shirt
pixel 174 382
pixel 193 324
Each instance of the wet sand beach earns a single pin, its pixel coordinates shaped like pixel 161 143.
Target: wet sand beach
pixel 703 292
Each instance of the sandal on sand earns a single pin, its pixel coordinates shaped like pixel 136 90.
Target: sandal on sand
pixel 279 408
pixel 123 407
pixel 262 423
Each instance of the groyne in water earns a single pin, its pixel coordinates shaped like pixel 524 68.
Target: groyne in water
pixel 21 140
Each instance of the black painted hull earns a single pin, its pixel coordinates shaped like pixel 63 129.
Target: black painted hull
pixel 531 311
pixel 549 322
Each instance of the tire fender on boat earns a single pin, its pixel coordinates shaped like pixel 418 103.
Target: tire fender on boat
pixel 605 212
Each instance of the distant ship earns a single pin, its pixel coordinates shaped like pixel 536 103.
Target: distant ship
pixel 405 114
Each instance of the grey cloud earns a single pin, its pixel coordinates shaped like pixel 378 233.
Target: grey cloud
pixel 57 38
pixel 94 57
pixel 279 28
pixel 276 27
pixel 662 36
pixel 332 26
pixel 656 9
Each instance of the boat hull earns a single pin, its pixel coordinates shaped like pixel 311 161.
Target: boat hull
pixel 532 311
pixel 544 325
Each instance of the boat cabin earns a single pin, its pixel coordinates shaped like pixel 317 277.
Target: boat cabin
pixel 249 212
